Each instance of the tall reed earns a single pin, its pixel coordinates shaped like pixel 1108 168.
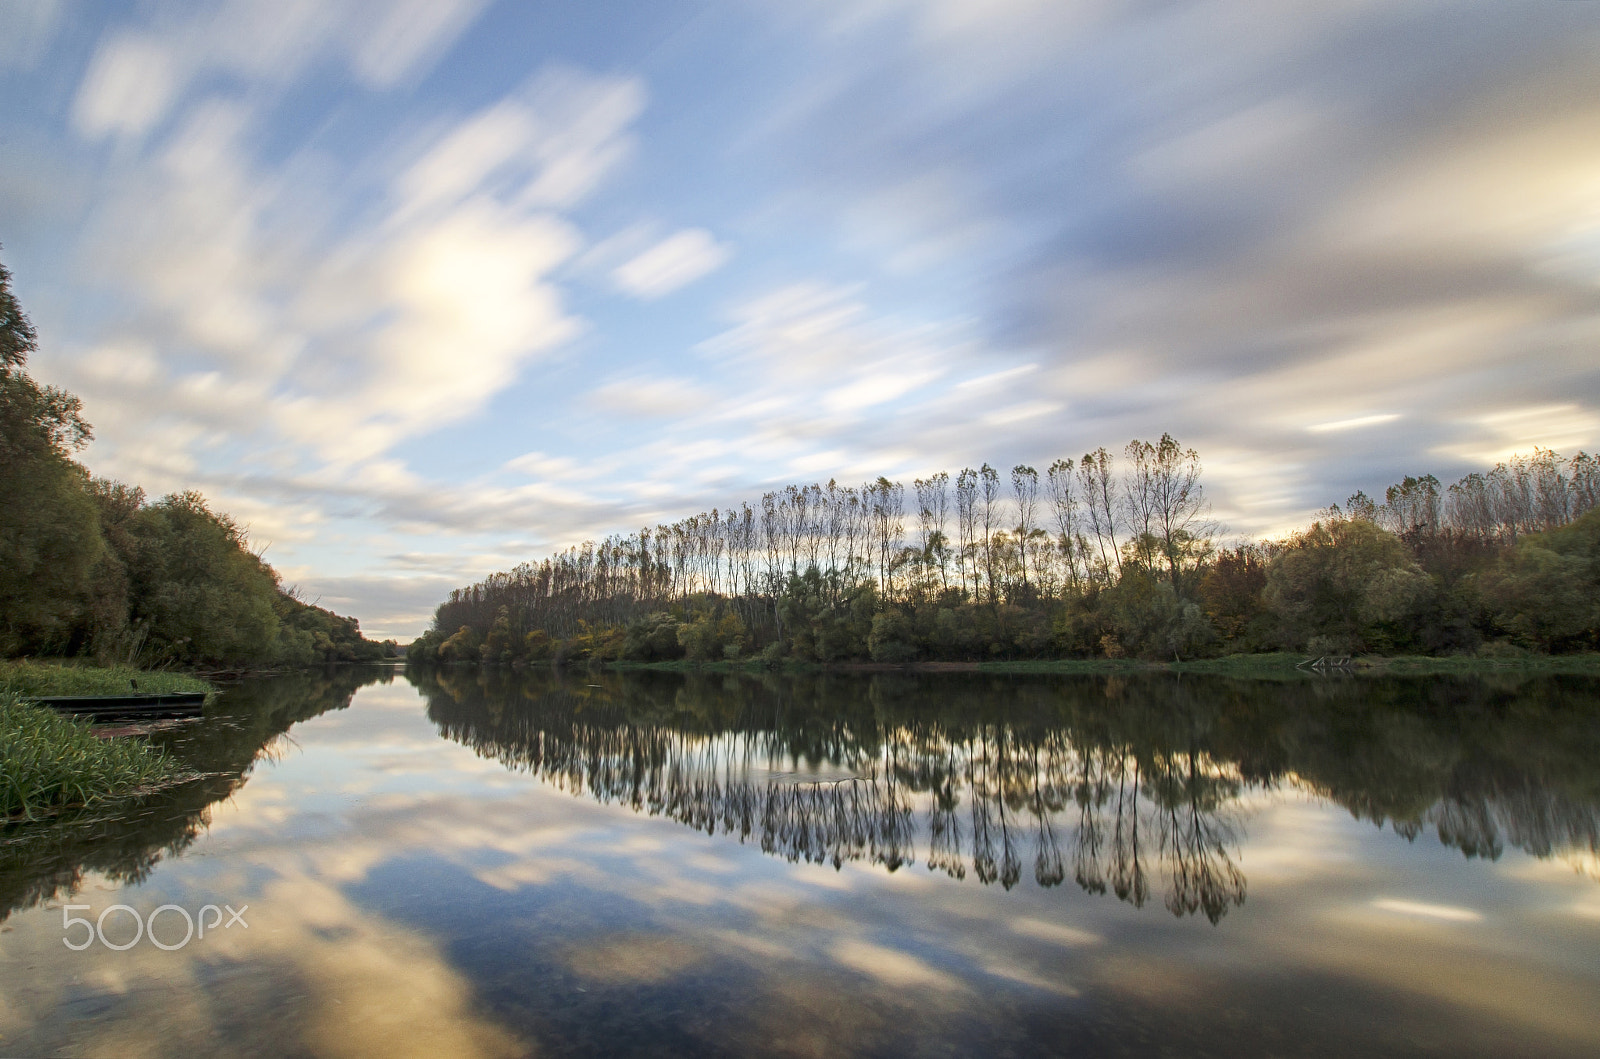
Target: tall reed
pixel 49 762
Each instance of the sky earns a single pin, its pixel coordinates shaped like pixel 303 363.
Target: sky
pixel 421 289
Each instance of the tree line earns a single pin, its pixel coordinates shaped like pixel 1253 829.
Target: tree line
pixel 92 567
pixel 1107 555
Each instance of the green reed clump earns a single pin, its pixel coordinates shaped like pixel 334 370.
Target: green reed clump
pixel 55 678
pixel 49 762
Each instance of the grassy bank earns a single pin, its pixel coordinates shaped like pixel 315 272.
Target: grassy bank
pixel 49 762
pixel 64 678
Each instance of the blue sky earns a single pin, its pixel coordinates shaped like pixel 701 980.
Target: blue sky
pixel 421 289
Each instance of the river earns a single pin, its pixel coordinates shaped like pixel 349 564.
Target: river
pixel 461 862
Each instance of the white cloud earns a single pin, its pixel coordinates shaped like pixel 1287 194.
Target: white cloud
pixel 469 303
pixel 672 263
pixel 544 147
pixel 279 328
pixel 137 76
pixel 1496 436
pixel 540 465
pixel 411 320
pixel 129 86
pixel 1353 423
pixel 650 396
pixel 407 37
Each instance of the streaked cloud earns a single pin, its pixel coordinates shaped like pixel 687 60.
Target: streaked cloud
pixel 354 269
pixel 1353 423
pixel 129 86
pixel 674 262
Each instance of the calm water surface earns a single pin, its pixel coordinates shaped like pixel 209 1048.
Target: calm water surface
pixel 454 863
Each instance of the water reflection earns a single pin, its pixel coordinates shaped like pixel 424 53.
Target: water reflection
pixel 411 894
pixel 1121 782
pixel 1127 785
pixel 1138 787
pixel 125 840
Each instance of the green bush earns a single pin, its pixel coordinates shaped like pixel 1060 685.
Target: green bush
pixel 891 639
pixel 1348 583
pixel 1547 594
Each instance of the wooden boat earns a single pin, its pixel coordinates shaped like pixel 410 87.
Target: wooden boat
pixel 122 707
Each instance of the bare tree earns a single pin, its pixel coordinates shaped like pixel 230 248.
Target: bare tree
pixel 1412 507
pixel 939 489
pixel 1139 499
pixel 932 497
pixel 1025 487
pixel 989 493
pixel 888 507
pixel 1064 504
pixel 1099 487
pixel 1584 480
pixel 966 526
pixel 1179 508
pixel 833 522
pixel 772 540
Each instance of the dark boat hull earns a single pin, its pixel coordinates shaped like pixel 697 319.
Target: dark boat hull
pixel 122 707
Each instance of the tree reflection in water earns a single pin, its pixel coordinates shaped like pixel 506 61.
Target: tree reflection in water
pixel 124 840
pixel 978 792
pixel 1132 784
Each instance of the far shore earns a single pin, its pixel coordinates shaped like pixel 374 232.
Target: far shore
pixel 1258 665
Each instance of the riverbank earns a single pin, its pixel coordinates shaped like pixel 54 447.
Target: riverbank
pixel 50 763
pixel 29 678
pixel 1255 665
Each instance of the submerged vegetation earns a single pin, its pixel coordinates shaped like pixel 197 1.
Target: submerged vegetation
pixel 91 567
pixel 1089 560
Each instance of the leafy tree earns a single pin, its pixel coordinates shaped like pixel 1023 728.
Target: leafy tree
pixel 1547 594
pixel 17 336
pixel 892 638
pixel 461 647
pixel 197 591
pixel 87 567
pixel 1150 618
pixel 1230 593
pixel 50 545
pixel 501 643
pixel 1345 586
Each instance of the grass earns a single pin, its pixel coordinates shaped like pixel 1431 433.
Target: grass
pixel 64 678
pixel 49 762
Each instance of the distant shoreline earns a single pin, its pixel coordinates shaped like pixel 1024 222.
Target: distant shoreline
pixel 1263 665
